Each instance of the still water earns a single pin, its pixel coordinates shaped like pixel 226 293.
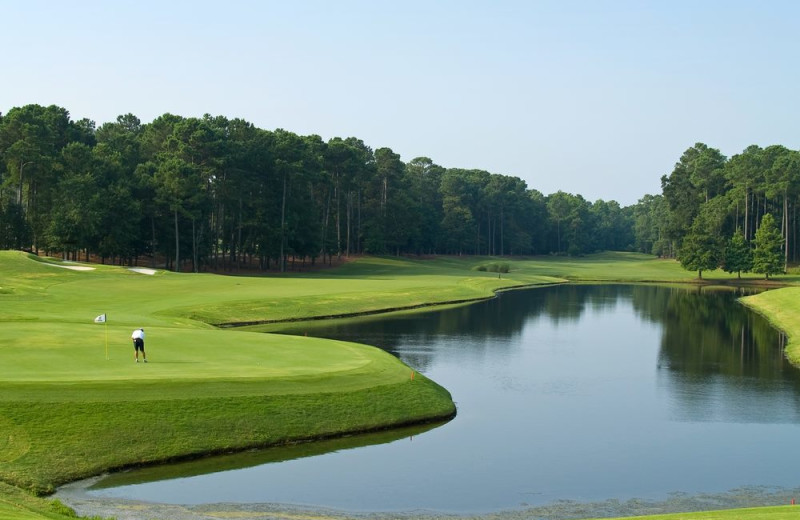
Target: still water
pixel 582 393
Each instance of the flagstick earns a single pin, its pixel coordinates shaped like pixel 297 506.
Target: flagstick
pixel 106 325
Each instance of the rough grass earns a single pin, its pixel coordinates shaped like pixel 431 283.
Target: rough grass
pixel 16 505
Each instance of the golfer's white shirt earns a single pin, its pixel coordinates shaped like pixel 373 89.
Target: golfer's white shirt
pixel 138 333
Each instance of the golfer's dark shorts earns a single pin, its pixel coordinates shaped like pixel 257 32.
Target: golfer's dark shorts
pixel 138 344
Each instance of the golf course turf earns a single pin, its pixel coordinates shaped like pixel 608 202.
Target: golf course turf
pixel 73 403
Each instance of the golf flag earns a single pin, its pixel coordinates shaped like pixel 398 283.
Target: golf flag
pixel 102 319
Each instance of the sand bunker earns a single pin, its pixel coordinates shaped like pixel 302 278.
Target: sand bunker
pixel 142 270
pixel 73 267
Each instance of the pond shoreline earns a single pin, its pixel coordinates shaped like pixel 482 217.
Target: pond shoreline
pixel 759 284
pixel 75 495
pixel 376 312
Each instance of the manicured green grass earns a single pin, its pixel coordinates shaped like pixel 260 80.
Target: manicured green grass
pixel 73 403
pixel 70 406
pixel 782 309
pixel 169 299
pixel 632 267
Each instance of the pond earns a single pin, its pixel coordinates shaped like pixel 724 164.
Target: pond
pixel 573 392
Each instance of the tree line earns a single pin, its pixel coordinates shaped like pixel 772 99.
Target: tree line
pixel 220 193
pixel 212 192
pixel 739 214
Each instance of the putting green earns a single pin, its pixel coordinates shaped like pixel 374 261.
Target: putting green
pixel 69 352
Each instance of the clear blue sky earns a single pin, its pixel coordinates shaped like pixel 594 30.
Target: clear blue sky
pixel 598 98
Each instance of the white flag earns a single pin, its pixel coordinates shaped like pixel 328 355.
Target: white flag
pixel 100 319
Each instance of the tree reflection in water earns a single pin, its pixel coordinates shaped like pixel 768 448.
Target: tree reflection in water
pixel 707 338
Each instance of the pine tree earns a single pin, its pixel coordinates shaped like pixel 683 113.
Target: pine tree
pixel 702 248
pixel 699 253
pixel 767 256
pixel 738 256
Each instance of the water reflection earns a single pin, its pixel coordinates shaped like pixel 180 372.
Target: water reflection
pixel 248 459
pixel 704 331
pixel 568 392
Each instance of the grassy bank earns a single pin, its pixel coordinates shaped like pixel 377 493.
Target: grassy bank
pixel 73 403
pixel 782 309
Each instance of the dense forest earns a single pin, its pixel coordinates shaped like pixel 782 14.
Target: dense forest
pixel 739 213
pixel 219 193
pixel 215 192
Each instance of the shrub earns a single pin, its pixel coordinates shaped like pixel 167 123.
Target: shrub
pixel 493 267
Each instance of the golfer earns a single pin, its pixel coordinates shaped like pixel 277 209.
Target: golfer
pixel 138 344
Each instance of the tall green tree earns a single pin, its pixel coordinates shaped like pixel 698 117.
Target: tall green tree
pixel 785 176
pixel 116 157
pixel 348 162
pixel 424 178
pixel 558 209
pixel 702 248
pixel 74 218
pixel 697 178
pixel 289 154
pixel 202 143
pixel 31 140
pixel 460 191
pixel 738 255
pixel 122 229
pixel 306 241
pixel 178 186
pixel 386 226
pixel 742 172
pixel 506 200
pixel 699 252
pixel 650 216
pixel 767 257
pixel 245 199
pixel 536 221
pixel 157 144
pixel 612 227
pixel 573 224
